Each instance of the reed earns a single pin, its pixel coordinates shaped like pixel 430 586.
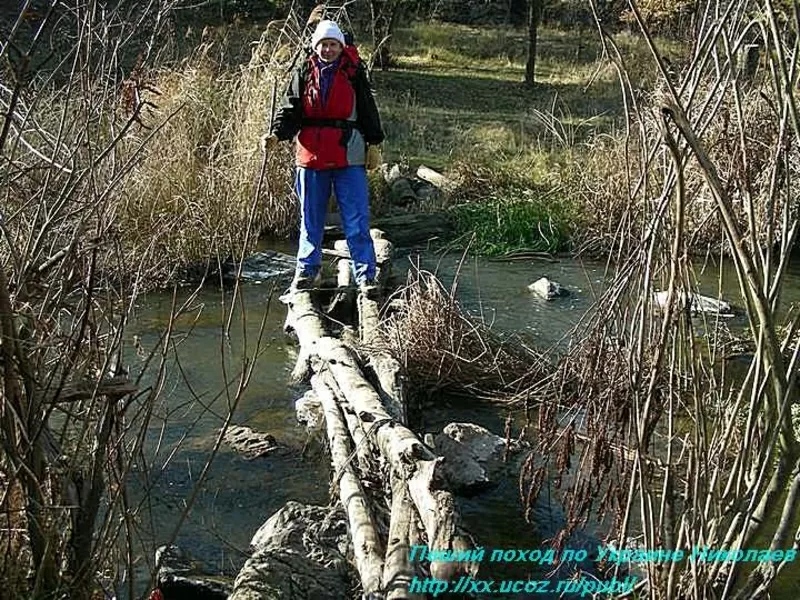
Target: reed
pixel 664 439
pixel 79 409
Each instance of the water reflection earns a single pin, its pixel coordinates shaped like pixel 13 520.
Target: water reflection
pixel 238 494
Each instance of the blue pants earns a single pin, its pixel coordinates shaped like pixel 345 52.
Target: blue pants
pixel 313 187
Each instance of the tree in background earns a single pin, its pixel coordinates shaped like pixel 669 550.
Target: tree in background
pixel 535 8
pixel 384 17
pixel 517 12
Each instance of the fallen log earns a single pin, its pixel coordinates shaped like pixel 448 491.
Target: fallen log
pixel 368 319
pixel 362 527
pixel 387 377
pixel 399 445
pixel 304 319
pixel 344 270
pixel 407 456
pixel 409 229
pixel 435 178
pixel 351 403
pixel 363 447
pixel 439 514
pixel 342 303
pixel 398 570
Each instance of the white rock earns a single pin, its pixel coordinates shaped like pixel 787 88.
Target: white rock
pixel 698 304
pixel 308 409
pixel 547 289
pixel 299 553
pixel 473 456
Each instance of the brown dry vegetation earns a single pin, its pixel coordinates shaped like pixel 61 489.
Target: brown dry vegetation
pixel 74 412
pixel 113 184
pixel 641 423
pixel 443 349
pixel 196 181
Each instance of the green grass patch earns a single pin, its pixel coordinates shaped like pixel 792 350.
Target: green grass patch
pixel 547 156
pixel 502 226
pixel 505 213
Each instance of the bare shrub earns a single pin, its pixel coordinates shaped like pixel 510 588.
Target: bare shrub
pixel 682 452
pixel 444 349
pixel 197 179
pixel 614 183
pixel 74 414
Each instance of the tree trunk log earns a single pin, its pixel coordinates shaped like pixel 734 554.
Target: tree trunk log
pixel 398 570
pixel 368 319
pixel 407 456
pixel 387 374
pixel 414 468
pixel 344 271
pixel 304 319
pixel 362 528
pixel 440 517
pixel 363 445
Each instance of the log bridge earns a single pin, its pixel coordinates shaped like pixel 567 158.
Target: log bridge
pixel 361 392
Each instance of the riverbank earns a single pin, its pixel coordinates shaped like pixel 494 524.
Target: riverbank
pixel 531 166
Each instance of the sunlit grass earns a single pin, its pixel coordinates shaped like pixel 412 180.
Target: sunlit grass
pixel 456 97
pixel 458 92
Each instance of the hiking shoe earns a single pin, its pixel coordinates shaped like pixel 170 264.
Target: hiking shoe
pixel 303 281
pixel 369 288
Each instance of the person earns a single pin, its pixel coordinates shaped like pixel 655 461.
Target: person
pixel 330 109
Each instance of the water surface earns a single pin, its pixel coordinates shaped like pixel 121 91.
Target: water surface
pixel 239 494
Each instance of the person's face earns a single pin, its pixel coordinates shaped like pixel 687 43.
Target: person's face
pixel 329 49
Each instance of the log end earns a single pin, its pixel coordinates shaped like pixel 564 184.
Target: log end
pixel 302 369
pixel 460 544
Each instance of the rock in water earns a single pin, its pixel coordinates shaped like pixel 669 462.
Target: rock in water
pixel 299 555
pixel 698 304
pixel 308 409
pixel 178 578
pixel 473 457
pixel 249 442
pixel 547 289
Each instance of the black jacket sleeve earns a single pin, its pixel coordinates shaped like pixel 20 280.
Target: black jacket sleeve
pixel 369 121
pixel 289 115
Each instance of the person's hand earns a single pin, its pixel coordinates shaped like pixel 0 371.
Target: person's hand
pixel 268 142
pixel 373 157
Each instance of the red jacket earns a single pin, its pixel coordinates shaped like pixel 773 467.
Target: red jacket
pixel 330 134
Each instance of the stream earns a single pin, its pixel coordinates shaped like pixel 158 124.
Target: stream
pixel 239 494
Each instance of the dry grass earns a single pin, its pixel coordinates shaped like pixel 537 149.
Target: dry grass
pixel 586 420
pixel 15 555
pixel 445 349
pixel 196 184
pixel 614 191
pixel 680 449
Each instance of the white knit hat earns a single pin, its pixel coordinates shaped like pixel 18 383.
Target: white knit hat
pixel 327 30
